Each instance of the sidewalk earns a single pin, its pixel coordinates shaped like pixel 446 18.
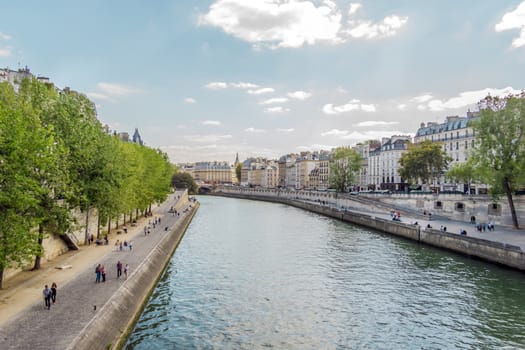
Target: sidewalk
pixel 501 234
pixel 25 324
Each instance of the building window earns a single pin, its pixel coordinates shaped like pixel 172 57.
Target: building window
pixel 494 209
pixel 466 144
pixel 438 205
pixel 458 206
pixel 457 145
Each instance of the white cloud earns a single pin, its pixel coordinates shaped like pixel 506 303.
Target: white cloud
pixel 374 123
pixel 274 100
pixel 286 130
pixel 243 85
pixel 421 107
pixel 4 36
pixel 5 51
pixel 368 30
pixel 514 20
pixel 190 100
pixel 211 122
pixel 261 91
pixel 353 8
pixel 401 106
pixel 113 89
pixel 293 23
pixel 368 108
pixel 254 130
pixel 278 109
pixel 207 138
pixel 216 85
pixel 98 96
pixel 422 98
pixel 468 98
pixel 335 132
pixel 299 95
pixel 219 85
pixel 352 105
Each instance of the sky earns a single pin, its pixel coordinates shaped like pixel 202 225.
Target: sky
pixel 204 80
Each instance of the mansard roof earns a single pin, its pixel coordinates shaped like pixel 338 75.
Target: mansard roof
pixel 450 125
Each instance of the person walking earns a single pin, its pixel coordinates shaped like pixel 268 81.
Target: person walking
pixel 47 297
pixel 126 269
pixel 119 269
pixel 130 245
pixel 97 272
pixel 103 273
pixel 53 292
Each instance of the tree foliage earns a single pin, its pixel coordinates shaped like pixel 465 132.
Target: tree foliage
pixel 238 172
pixel 499 155
pixel 54 156
pixel 423 162
pixel 344 166
pixel 184 180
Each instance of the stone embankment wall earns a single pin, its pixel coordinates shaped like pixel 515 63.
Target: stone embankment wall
pixel 455 206
pixel 115 320
pixel 494 252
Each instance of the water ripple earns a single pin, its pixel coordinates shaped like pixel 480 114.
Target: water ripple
pixel 254 275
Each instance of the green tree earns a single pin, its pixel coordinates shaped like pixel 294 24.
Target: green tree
pixel 27 157
pixel 184 180
pixel 423 162
pixel 344 166
pixel 36 99
pixel 499 155
pixel 238 171
pixel 464 173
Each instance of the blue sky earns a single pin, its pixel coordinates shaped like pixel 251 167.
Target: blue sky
pixel 203 80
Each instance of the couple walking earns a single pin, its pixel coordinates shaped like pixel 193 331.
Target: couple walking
pixel 50 295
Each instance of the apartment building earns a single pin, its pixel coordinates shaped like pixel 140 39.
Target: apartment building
pixel 383 167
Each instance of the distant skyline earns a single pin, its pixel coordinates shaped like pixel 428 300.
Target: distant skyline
pixel 204 80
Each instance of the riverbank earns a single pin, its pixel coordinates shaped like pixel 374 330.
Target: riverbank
pixel 89 315
pixel 507 252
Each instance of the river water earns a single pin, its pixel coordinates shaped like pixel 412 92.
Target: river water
pixel 256 275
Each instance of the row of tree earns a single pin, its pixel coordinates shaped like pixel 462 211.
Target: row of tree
pixel 54 157
pixel 498 158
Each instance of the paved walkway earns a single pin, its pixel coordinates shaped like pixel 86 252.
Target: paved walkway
pixel 26 324
pixel 501 234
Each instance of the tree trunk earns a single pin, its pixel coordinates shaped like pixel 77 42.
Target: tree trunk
pixel 508 192
pixel 98 226
pixel 137 213
pixel 86 234
pixel 1 278
pixel 109 225
pixel 124 218
pixel 38 257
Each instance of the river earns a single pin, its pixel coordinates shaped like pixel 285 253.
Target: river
pixel 256 275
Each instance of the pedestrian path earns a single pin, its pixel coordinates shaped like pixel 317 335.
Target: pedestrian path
pixel 25 324
pixel 504 235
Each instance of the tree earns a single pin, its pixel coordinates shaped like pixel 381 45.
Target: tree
pixel 499 155
pixel 464 173
pixel 343 168
pixel 238 171
pixel 423 162
pixel 184 180
pixel 27 157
